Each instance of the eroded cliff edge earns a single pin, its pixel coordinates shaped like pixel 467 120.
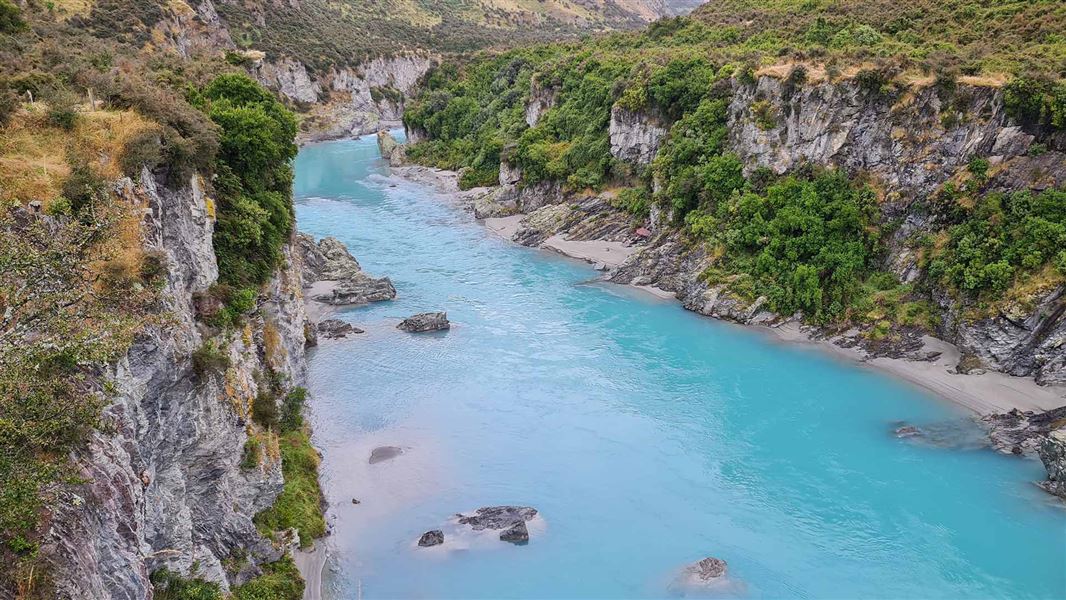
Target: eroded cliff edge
pixel 164 482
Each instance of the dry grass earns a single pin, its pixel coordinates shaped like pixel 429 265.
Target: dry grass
pixel 34 156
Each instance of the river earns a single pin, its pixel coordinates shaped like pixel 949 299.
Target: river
pixel 647 436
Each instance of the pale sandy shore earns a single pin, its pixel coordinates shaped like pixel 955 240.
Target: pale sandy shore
pixel 310 565
pixel 983 393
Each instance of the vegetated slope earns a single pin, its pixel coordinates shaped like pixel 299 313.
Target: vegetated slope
pixel 872 165
pixel 151 327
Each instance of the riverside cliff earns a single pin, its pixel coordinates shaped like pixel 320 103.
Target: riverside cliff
pixel 165 484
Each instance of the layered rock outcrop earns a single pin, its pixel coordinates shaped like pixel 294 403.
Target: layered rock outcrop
pixel 333 276
pixel 164 485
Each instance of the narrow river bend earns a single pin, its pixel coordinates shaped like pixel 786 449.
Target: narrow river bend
pixel 647 436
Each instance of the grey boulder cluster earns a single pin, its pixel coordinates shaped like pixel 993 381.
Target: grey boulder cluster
pixel 332 276
pixel 335 277
pixel 510 521
pixel 422 322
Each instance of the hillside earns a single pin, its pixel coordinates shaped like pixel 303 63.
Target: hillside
pixel 883 173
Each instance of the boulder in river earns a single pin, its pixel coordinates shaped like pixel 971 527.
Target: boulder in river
pixel 383 453
pixel 907 431
pixel 431 321
pixel 517 534
pixel 335 328
pixel 431 538
pixel 707 570
pixel 498 517
pixel 335 276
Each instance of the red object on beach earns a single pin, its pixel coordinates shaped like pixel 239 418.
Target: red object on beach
pixel 643 232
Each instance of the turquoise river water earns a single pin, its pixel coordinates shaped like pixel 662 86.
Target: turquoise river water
pixel 647 436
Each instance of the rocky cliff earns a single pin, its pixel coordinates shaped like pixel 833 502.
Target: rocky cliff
pixel 909 143
pixel 347 101
pixel 164 486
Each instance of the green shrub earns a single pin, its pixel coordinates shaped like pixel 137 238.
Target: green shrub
pixel 265 410
pixel 300 503
pixel 635 201
pixel 253 178
pixel 167 585
pixel 280 580
pixel 251 454
pixel 292 409
pixel 83 186
pixel 1001 237
pixel 144 149
pixel 64 116
pixel 209 359
pixel 9 103
pixel 10 17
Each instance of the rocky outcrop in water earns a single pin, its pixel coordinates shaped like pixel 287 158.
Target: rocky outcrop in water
pixel 1022 432
pixel 1053 454
pixel 163 482
pixel 497 517
pixel 390 149
pixel 335 328
pixel 434 537
pixel 707 570
pixel 431 321
pixel 334 275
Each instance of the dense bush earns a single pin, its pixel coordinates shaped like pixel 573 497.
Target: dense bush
pixel 168 585
pixel 253 178
pixel 300 502
pixel 10 17
pixel 1000 238
pixel 280 580
pixel 807 243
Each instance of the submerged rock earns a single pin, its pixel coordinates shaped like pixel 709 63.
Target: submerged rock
pixel 335 328
pixel 383 453
pixel 517 534
pixel 707 570
pixel 431 538
pixel 498 517
pixel 1022 432
pixel 431 321
pixel 907 431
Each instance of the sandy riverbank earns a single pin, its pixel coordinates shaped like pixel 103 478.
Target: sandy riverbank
pixel 982 393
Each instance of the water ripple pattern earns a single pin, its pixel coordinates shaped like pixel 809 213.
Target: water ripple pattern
pixel 647 436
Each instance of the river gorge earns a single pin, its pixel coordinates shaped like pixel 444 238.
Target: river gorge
pixel 648 437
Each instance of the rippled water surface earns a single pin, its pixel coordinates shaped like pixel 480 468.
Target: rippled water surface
pixel 647 436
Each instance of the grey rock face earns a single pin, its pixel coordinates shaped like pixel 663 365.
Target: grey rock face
pixel 1023 432
pixel 391 150
pixel 289 78
pixel 165 486
pixel 431 321
pixel 434 537
pixel 329 260
pixel 498 517
pixel 1031 341
pixel 516 534
pixel 904 144
pixel 1053 455
pixel 335 328
pixel 635 137
pixel 540 100
pixel 351 109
